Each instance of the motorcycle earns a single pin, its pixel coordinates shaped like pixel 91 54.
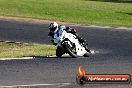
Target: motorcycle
pixel 69 44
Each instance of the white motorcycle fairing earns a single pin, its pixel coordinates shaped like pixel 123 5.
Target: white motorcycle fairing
pixel 59 38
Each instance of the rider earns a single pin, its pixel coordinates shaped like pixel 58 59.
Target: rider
pixel 55 28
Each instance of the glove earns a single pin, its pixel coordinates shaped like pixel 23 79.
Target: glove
pixel 53 42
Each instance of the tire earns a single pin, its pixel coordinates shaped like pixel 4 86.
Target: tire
pixel 69 51
pixel 59 51
pixel 86 54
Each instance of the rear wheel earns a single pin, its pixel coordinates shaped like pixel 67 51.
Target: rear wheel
pixel 70 50
pixel 87 54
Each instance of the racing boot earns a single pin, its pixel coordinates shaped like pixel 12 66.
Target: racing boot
pixel 83 42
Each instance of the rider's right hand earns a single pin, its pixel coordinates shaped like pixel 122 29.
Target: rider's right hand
pixel 53 42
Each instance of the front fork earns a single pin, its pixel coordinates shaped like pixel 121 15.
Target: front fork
pixel 71 45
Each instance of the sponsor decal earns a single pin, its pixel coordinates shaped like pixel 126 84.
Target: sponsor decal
pixel 83 77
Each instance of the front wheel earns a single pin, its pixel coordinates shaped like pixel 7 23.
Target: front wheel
pixel 59 51
pixel 70 50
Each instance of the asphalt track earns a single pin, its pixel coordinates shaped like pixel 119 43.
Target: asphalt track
pixel 114 46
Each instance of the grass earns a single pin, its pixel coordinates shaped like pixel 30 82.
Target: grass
pixel 20 50
pixel 97 12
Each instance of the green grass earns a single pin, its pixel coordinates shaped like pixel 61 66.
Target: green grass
pixel 98 12
pixel 22 50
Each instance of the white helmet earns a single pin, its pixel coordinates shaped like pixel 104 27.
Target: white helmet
pixel 53 27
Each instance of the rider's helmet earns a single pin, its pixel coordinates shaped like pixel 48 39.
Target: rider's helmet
pixel 53 28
